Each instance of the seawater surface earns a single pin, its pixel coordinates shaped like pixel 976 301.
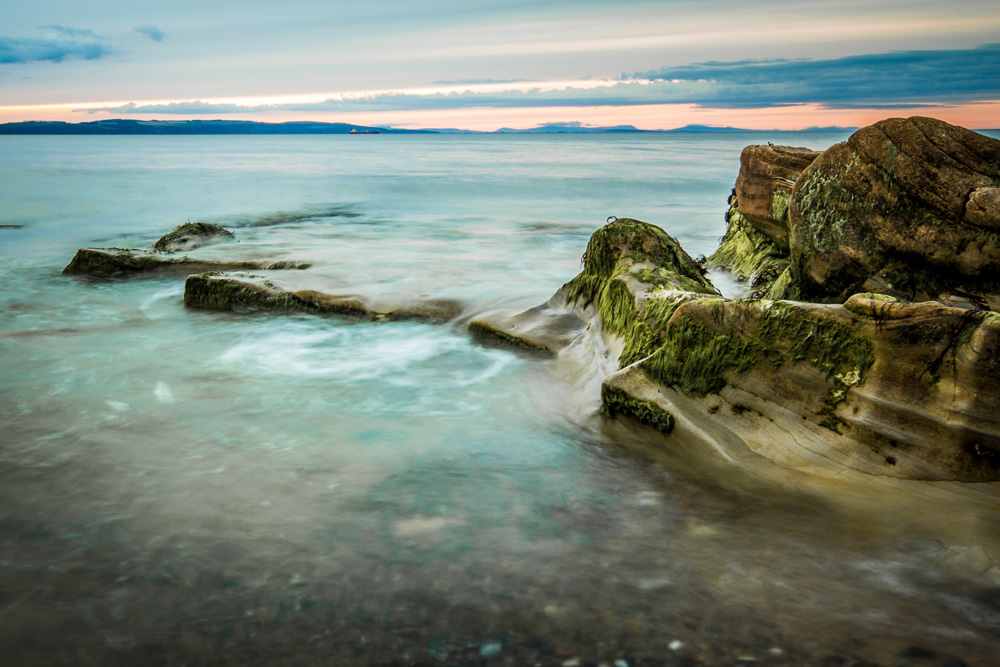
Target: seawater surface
pixel 188 487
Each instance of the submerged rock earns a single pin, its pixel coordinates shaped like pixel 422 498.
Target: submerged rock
pixel 192 235
pixel 115 262
pixel 216 291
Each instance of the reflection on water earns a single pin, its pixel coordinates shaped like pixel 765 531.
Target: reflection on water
pixel 182 487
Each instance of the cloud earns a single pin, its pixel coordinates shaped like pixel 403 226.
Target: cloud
pixel 464 82
pixel 63 43
pixel 72 33
pixel 15 50
pixel 152 32
pixel 898 78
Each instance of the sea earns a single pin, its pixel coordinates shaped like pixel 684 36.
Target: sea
pixel 186 487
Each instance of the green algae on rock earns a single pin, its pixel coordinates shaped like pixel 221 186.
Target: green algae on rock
pixel 749 254
pixel 617 402
pixel 878 385
pixel 907 206
pixel 120 262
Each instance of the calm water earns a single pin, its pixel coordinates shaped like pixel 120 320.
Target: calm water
pixel 182 487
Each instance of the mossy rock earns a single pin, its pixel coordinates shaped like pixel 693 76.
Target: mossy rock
pixel 767 175
pixel 910 203
pixel 252 293
pixel 883 386
pixel 750 255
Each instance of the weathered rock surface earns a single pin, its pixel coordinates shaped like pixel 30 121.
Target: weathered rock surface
pixel 756 244
pixel 764 186
pixel 905 207
pixel 549 328
pixel 192 235
pixel 877 385
pixel 908 202
pixel 115 262
pixel 884 387
pixel 247 292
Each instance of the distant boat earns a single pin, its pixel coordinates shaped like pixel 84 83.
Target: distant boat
pixel 357 131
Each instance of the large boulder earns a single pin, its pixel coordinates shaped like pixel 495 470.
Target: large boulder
pixel 905 207
pixel 192 235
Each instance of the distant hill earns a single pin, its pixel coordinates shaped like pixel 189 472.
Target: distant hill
pixel 125 126
pixel 569 128
pixel 119 126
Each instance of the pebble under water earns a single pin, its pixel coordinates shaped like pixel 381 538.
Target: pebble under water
pixel 180 487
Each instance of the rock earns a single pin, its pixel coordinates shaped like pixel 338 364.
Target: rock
pixel 192 235
pixel 749 254
pixel 632 270
pixel 247 292
pixel 975 560
pixel 905 207
pixel 909 202
pixel 880 386
pixel 548 328
pixel 764 186
pixel 756 244
pixel 117 262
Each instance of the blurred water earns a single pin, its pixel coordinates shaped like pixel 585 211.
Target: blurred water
pixel 183 487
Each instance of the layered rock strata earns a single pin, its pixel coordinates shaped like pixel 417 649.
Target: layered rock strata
pixel 878 385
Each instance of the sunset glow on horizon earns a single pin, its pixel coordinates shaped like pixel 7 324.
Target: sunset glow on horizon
pixel 652 65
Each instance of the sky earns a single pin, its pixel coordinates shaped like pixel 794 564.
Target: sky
pixel 487 64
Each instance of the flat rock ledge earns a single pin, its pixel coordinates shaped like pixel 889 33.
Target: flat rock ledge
pixel 250 293
pixel 123 262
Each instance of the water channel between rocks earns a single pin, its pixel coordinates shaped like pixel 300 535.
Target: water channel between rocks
pixel 187 487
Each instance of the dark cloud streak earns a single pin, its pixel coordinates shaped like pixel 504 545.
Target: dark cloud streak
pixel 885 79
pixel 906 79
pixel 15 50
pixel 152 32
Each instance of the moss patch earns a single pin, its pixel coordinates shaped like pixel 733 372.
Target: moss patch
pixel 747 253
pixel 647 333
pixel 611 253
pixel 617 402
pixel 695 358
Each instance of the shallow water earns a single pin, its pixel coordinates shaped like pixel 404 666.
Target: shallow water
pixel 186 487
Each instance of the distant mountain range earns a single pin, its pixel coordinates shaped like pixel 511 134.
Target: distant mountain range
pixel 131 127
pixel 191 127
